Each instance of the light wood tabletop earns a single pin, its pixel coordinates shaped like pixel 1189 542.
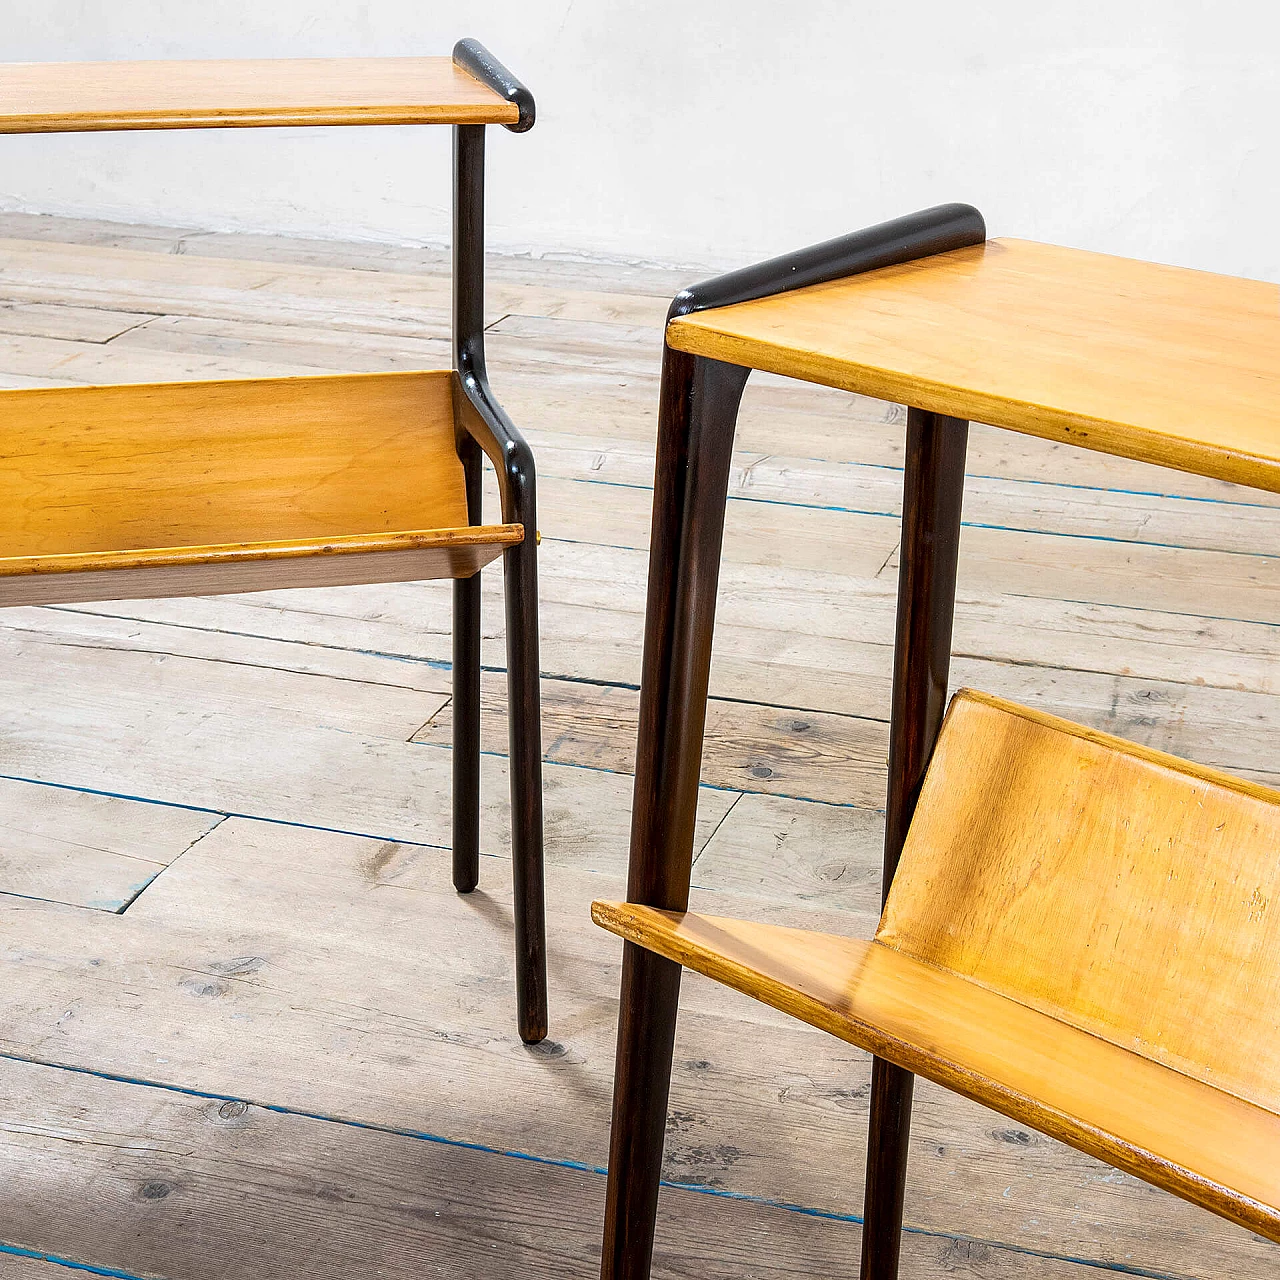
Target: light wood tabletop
pixel 62 97
pixel 1175 367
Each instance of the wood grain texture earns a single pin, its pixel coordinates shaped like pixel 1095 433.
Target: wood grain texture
pixel 439 553
pixel 154 1182
pixel 1201 1143
pixel 1078 935
pixel 1116 888
pixel 748 747
pixel 19 1266
pixel 210 735
pixel 1161 364
pixel 189 488
pixel 88 850
pixel 62 97
pixel 116 468
pixel 1201 687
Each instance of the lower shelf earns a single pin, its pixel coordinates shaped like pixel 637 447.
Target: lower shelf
pixel 199 488
pixel 1202 1143
pixel 261 566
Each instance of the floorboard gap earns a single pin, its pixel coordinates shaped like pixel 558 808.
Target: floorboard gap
pixel 1116 1268
pixel 36 1255
pixel 225 813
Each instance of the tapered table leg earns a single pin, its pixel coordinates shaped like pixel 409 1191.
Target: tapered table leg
pixel 699 406
pixel 932 494
pixel 525 734
pixel 482 420
pixel 466 698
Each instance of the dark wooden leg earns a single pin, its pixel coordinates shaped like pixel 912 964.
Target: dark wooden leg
pixel 520 564
pixel 466 701
pixel 933 490
pixel 699 406
pixel 483 419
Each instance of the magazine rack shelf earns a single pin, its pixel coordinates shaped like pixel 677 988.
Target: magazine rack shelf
pixel 196 488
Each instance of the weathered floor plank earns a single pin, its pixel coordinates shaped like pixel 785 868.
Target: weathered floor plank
pixel 343 977
pixel 156 1182
pixel 17 1265
pixel 86 850
pixel 339 975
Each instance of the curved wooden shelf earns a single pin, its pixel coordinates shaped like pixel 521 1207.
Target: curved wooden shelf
pixel 75 97
pixel 1175 367
pixel 1117 888
pixel 1081 934
pixel 1200 1142
pixel 196 488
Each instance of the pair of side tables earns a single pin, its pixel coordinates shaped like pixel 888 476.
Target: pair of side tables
pixel 1078 932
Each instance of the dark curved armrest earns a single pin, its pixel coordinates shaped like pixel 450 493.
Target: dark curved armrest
pixel 486 422
pixel 473 57
pixel 918 235
pixel 479 415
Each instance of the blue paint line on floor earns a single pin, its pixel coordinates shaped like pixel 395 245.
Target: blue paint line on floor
pixel 416 1134
pixel 964 524
pixel 1141 608
pixel 1062 484
pixel 855 1219
pixel 439 664
pixel 1012 528
pixel 35 897
pixel 595 682
pixel 578 1166
pixel 1122 542
pixel 1127 493
pixel 368 835
pixel 1204 500
pixel 748 702
pixel 419 844
pixel 434 664
pixel 37 1255
pixel 224 813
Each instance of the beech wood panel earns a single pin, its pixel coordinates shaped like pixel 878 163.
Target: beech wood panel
pixel 1162 364
pixel 185 464
pixel 360 472
pixel 58 97
pixel 1122 890
pixel 203 571
pixel 1202 1143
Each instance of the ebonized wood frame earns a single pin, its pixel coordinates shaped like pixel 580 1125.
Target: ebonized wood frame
pixel 483 425
pixel 698 409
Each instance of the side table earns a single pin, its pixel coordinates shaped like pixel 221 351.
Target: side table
pixel 1079 934
pixel 200 488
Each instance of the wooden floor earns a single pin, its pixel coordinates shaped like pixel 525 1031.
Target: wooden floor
pixel 248 1030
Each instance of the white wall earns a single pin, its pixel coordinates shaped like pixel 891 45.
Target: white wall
pixel 711 132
